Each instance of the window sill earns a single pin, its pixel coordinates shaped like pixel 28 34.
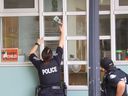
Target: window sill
pixel 15 64
pixel 120 63
pixel 77 87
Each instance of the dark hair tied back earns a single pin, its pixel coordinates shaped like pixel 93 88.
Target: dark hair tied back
pixel 46 54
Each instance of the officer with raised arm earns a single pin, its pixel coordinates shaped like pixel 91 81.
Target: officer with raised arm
pixel 49 67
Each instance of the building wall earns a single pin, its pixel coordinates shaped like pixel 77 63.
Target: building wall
pixel 21 81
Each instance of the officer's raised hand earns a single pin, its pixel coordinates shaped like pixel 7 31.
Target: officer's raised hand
pixel 61 41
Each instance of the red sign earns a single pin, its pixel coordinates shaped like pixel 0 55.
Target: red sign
pixel 9 55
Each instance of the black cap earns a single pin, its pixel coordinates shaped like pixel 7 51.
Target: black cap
pixel 106 63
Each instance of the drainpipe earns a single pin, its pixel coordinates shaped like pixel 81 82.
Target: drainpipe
pixel 94 49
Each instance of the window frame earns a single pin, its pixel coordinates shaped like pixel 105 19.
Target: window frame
pixel 18 63
pixel 115 10
pixel 65 14
pixel 118 7
pixel 0 36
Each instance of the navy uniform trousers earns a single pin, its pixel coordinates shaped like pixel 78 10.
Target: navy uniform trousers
pixel 51 92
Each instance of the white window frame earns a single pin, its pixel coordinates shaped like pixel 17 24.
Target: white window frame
pixel 0 37
pixel 76 87
pixel 65 14
pixel 118 7
pixel 20 10
pixel 54 38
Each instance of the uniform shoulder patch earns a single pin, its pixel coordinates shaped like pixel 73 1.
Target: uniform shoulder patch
pixel 112 76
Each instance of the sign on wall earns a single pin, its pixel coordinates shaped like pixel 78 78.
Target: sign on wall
pixel 9 55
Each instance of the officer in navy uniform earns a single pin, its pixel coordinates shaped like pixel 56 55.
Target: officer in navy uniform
pixel 49 67
pixel 115 79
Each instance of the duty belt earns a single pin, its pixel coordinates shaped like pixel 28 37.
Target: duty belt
pixel 55 87
pixel 52 87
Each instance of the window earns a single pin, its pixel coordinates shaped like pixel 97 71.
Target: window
pixel 104 5
pixel 121 37
pixel 76 43
pixel 78 74
pixel 105 33
pixel 53 5
pixel 9 4
pixel 50 27
pixel 105 48
pixel 75 50
pixel 76 5
pixel 105 41
pixel 104 25
pixel 123 2
pixel 77 25
pixel 23 6
pixel 18 30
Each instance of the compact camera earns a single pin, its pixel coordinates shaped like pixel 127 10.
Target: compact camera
pixel 57 20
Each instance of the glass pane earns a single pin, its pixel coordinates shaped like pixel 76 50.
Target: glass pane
pixel 105 25
pixel 77 50
pixel 76 5
pixel 122 37
pixel 51 28
pixel 21 33
pixel 18 4
pixel 104 5
pixel 105 48
pixel 77 25
pixel 53 5
pixel 123 2
pixel 77 74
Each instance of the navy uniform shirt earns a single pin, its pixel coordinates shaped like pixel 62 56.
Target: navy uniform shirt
pixel 112 78
pixel 49 74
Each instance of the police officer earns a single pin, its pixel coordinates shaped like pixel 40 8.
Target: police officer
pixel 49 68
pixel 115 79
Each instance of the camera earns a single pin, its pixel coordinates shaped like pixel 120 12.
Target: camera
pixel 57 20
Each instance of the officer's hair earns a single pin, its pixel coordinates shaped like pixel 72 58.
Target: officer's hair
pixel 46 54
